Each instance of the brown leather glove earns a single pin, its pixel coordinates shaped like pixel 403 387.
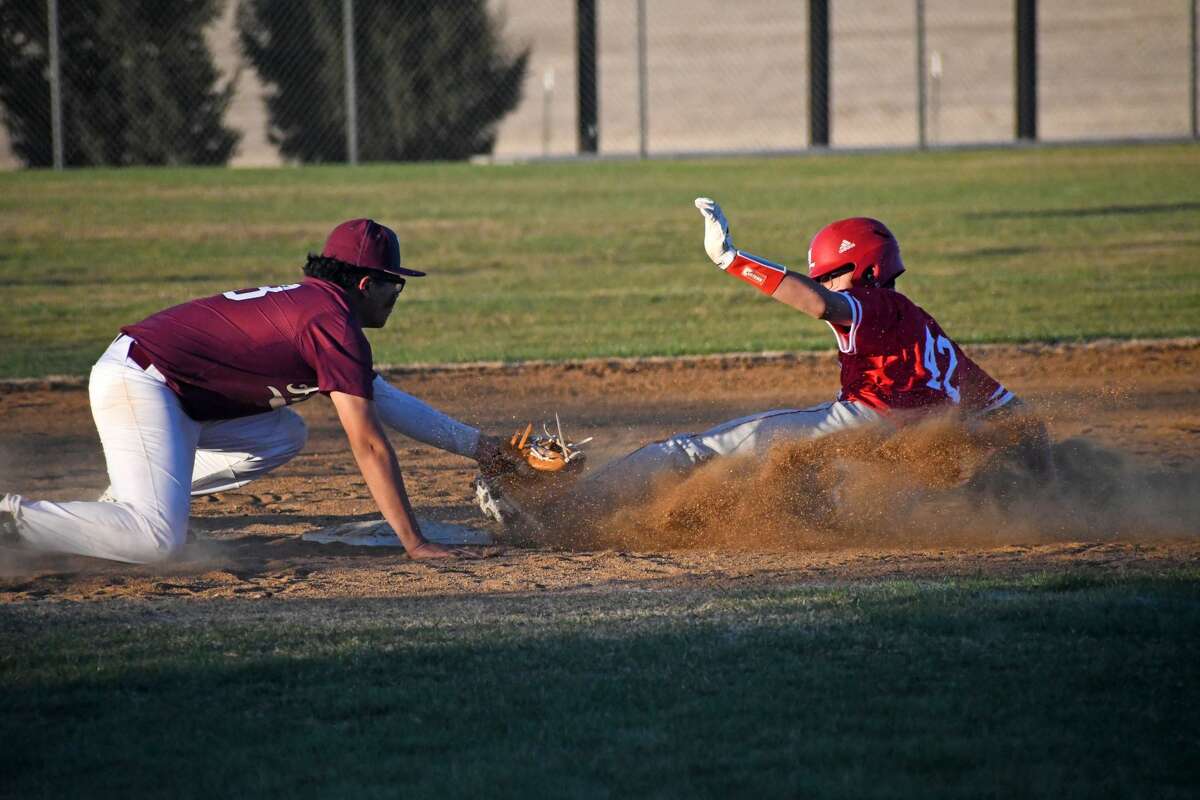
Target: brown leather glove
pixel 527 453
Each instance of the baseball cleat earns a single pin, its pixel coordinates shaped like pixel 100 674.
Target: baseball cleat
pixel 495 505
pixel 8 528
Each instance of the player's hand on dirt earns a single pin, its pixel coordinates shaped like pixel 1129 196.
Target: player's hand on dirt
pixel 430 550
pixel 717 242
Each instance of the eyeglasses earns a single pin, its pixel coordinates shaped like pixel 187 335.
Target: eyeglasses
pixel 399 282
pixel 837 273
pixel 396 280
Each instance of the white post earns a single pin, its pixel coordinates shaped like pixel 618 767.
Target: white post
pixel 1192 67
pixel 643 103
pixel 921 74
pixel 935 94
pixel 351 84
pixel 547 98
pixel 56 127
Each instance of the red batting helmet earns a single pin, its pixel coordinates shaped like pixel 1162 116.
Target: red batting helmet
pixel 858 242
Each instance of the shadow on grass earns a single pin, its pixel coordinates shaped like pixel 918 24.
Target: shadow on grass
pixel 906 690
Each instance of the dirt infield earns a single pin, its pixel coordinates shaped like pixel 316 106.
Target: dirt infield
pixel 1135 404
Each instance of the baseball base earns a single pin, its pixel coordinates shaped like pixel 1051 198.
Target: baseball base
pixel 377 533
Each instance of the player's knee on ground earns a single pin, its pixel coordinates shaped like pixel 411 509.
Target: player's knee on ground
pixel 155 539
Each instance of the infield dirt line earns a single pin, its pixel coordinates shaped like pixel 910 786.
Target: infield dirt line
pixel 763 358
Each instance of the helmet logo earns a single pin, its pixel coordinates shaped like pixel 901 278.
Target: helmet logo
pixel 845 245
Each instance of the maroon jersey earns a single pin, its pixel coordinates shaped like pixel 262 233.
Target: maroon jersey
pixel 895 356
pixel 249 351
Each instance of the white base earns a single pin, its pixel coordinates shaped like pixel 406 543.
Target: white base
pixel 377 533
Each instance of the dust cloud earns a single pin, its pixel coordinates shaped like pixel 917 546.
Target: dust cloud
pixel 932 483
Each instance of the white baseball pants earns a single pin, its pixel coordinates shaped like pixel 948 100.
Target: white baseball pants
pixel 752 435
pixel 157 458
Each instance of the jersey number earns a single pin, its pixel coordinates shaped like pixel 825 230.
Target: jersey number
pixel 937 380
pixel 254 294
pixel 277 398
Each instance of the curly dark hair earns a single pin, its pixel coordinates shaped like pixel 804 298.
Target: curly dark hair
pixel 329 269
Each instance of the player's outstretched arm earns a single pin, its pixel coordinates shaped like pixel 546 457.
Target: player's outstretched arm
pixel 796 290
pixel 381 471
pixel 803 293
pixel 418 420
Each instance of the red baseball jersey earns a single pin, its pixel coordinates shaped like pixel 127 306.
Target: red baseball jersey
pixel 895 356
pixel 251 350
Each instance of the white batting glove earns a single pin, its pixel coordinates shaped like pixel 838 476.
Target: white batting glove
pixel 717 243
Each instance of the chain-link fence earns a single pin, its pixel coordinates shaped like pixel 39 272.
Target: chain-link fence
pixel 272 81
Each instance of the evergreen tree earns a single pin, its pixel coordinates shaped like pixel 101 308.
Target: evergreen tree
pixel 432 78
pixel 138 82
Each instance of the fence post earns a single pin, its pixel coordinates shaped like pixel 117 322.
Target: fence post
pixel 642 79
pixel 547 105
pixel 1192 66
pixel 818 73
pixel 935 95
pixel 351 81
pixel 921 141
pixel 56 125
pixel 585 55
pixel 1026 71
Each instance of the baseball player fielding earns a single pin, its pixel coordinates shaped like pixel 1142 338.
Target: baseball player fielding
pixel 196 399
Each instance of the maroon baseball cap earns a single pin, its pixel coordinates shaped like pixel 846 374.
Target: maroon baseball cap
pixel 367 244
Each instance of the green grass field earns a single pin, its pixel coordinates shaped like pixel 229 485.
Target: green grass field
pixel 605 258
pixel 1048 686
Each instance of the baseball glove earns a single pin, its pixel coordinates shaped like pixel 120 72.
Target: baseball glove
pixel 548 452
pixel 545 465
pixel 528 453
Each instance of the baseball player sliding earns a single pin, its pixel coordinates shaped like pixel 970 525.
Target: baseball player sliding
pixel 194 400
pixel 894 357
